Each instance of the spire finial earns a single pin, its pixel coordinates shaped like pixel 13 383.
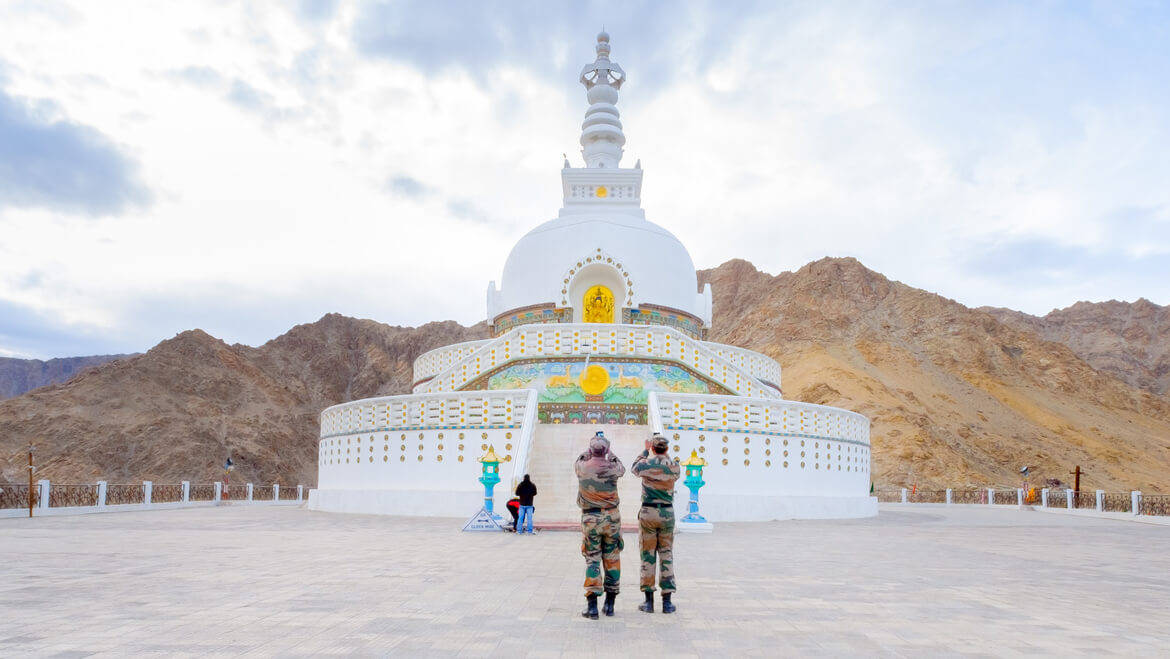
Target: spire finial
pixel 601 134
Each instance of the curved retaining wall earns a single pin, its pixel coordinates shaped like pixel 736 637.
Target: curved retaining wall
pixel 768 459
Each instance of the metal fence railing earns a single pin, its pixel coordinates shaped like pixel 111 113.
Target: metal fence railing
pixel 118 494
pixel 1110 502
pixel 235 493
pixel 69 495
pixel 927 496
pixel 1057 499
pixel 1085 500
pixel 1117 502
pixel 1155 504
pixel 166 493
pixel 63 497
pixel 15 495
pixel 969 496
pixel 202 492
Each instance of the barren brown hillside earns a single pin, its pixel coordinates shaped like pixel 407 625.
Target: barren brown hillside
pixel 175 412
pixel 1128 340
pixel 956 396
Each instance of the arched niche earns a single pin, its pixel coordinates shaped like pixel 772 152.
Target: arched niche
pixel 597 274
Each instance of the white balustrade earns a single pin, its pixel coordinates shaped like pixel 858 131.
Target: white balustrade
pixel 780 417
pixel 758 365
pixel 736 369
pixel 527 429
pixel 419 411
pixel 433 362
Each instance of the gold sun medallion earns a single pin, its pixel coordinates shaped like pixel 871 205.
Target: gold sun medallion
pixel 594 380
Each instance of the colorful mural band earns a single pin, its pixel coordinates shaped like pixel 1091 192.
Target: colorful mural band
pixel 542 315
pixel 649 315
pixel 611 382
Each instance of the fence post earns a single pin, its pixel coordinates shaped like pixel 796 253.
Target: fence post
pixel 1069 499
pixel 43 486
pixel 101 498
pixel 186 491
pixel 300 491
pixel 147 491
pixel 1019 496
pixel 1135 501
pixel 948 496
pixel 218 491
pixel 276 491
pixel 249 491
pixel 1100 501
pixel 1044 498
pixel 904 499
pixel 991 496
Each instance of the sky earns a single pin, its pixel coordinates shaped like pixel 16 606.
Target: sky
pixel 246 167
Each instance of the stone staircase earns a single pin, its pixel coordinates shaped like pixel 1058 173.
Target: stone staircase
pixel 554 449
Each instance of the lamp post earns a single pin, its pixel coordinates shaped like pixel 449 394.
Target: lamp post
pixel 694 480
pixel 30 480
pixel 490 477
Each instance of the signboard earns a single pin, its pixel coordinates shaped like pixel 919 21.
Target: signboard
pixel 483 521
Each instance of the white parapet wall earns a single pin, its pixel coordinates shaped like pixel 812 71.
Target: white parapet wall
pixel 770 459
pixel 418 454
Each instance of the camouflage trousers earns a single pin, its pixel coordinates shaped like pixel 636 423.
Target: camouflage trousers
pixel 601 543
pixel 656 533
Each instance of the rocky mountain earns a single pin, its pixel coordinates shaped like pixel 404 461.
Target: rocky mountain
pixel 958 397
pixel 18 376
pixel 175 412
pixel 1130 340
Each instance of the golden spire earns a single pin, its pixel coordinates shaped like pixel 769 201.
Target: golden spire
pixel 490 456
pixel 695 460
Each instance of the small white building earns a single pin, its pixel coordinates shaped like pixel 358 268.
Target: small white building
pixel 598 324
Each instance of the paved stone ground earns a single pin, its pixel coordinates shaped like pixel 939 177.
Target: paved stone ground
pixel 252 581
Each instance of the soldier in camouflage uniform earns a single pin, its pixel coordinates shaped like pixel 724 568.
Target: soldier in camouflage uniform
pixel 601 523
pixel 656 520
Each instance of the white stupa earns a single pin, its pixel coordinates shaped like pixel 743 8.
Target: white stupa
pixel 598 324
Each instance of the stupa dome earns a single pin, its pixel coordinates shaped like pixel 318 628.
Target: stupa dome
pixel 559 261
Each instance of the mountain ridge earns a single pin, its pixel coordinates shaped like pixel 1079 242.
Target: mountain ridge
pixel 957 396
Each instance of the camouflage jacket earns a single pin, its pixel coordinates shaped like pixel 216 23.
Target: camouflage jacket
pixel 658 474
pixel 597 480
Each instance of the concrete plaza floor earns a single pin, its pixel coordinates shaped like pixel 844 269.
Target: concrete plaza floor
pixel 286 582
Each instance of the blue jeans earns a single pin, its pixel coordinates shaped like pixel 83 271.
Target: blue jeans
pixel 525 514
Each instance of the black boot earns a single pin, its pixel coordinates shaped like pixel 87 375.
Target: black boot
pixel 648 605
pixel 590 607
pixel 667 607
pixel 607 608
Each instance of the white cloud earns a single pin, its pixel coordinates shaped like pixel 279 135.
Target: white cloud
pixel 301 162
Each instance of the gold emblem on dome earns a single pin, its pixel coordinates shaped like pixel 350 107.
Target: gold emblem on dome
pixel 602 192
pixel 598 305
pixel 594 380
